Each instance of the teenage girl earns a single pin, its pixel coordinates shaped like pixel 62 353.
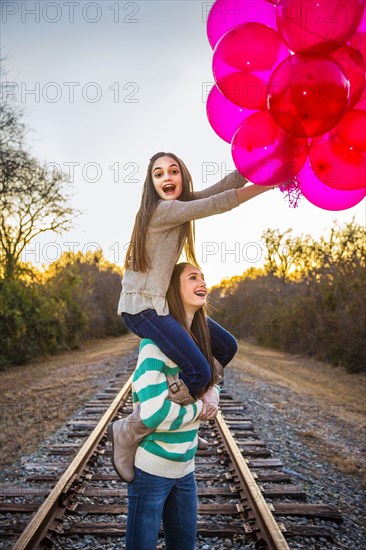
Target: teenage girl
pixel 163 228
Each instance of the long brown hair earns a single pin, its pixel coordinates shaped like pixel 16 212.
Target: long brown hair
pixel 136 256
pixel 199 329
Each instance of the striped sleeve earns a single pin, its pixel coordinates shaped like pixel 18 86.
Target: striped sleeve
pixel 150 389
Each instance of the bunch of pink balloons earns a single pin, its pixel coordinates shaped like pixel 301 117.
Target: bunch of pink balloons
pixel 290 93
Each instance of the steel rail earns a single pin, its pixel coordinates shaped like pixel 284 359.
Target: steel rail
pixel 37 528
pixel 262 524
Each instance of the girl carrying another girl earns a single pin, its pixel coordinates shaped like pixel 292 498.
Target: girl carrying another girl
pixel 163 228
pixel 164 486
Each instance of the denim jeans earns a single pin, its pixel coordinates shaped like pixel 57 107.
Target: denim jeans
pixel 154 498
pixel 175 342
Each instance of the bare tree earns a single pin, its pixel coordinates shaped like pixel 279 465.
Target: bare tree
pixel 285 254
pixel 33 197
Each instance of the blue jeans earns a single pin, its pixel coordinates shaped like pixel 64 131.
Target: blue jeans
pixel 175 342
pixel 152 499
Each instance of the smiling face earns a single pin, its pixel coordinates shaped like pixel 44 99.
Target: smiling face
pixel 167 178
pixel 192 289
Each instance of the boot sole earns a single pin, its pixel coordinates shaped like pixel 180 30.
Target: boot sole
pixel 111 439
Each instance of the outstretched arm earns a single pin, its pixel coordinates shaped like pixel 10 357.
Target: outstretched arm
pixel 172 213
pixel 234 180
pixel 248 192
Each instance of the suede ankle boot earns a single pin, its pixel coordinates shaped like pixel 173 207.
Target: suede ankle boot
pixel 125 436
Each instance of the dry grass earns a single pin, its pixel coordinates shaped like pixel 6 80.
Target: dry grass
pixel 347 464
pixel 343 392
pixel 38 398
pixel 319 400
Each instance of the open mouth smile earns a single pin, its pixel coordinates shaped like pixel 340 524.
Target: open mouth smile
pixel 169 188
pixel 200 293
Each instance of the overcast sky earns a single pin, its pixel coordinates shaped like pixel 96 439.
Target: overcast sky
pixel 107 84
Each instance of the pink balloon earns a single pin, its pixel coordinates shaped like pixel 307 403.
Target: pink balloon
pixel 247 90
pixel 307 94
pixel 223 115
pixel 358 40
pixel 354 68
pixel 226 14
pixel 352 129
pixel 362 102
pixel 318 27
pixel 326 197
pixel 264 154
pixel 242 63
pixel 249 47
pixel 337 164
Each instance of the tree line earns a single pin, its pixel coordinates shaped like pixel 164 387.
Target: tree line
pixel 309 298
pixel 74 300
pixel 76 297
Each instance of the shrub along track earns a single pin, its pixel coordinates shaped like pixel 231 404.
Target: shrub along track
pixel 243 493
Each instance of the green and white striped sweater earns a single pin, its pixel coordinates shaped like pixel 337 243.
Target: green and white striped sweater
pixel 169 450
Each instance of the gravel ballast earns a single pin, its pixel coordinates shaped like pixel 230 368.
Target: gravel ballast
pixel 281 416
pixel 289 424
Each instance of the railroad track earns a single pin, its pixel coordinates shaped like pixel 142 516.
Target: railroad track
pixel 244 494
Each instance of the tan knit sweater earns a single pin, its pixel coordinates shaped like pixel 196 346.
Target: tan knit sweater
pixel 141 291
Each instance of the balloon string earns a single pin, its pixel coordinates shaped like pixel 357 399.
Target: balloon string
pixel 292 192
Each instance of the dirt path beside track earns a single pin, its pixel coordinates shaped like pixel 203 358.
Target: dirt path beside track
pixel 38 398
